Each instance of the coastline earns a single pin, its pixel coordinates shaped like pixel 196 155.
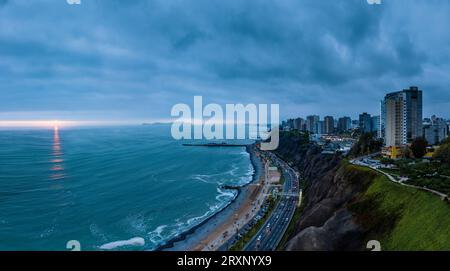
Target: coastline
pixel 191 238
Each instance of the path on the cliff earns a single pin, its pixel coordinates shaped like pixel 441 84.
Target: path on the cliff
pixel 360 162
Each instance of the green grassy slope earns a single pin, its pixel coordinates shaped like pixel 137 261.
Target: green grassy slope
pixel 402 218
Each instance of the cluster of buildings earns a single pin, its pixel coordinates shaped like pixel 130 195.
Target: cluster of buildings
pixel 400 122
pixel 334 126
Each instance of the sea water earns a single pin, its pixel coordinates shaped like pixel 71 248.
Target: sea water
pixel 104 186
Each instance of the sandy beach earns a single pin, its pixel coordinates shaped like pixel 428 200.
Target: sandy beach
pixel 241 215
pixel 214 232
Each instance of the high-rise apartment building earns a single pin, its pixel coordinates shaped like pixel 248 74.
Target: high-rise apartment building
pixel 344 124
pixel 448 127
pixel 382 130
pixel 402 116
pixel 365 123
pixel 312 124
pixel 435 130
pixel 299 124
pixel 321 127
pixel 329 125
pixel 375 125
pixel 290 124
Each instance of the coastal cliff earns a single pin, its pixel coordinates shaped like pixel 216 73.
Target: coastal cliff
pixel 344 206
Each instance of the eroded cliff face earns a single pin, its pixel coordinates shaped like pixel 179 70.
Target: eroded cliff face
pixel 325 222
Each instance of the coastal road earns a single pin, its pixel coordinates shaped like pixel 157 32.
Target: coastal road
pixel 270 234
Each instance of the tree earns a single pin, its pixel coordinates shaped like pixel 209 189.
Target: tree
pixel 419 147
pixel 407 153
pixel 386 161
pixel 366 144
pixel 446 141
pixel 443 154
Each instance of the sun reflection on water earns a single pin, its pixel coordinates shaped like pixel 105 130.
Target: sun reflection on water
pixel 57 168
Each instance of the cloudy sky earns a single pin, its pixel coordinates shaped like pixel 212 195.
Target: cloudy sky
pixel 114 60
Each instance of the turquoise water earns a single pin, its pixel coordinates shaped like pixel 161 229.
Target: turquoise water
pixel 101 185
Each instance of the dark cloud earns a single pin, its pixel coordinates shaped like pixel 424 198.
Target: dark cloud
pixel 138 58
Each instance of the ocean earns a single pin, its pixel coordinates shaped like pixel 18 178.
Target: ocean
pixel 109 184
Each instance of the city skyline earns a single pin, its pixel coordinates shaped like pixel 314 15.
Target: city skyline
pixel 400 122
pixel 357 115
pixel 146 56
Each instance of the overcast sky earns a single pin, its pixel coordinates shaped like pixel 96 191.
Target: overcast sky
pixel 133 60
